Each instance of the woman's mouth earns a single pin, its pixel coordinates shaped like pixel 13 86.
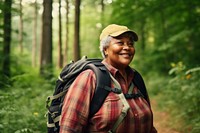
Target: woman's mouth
pixel 126 55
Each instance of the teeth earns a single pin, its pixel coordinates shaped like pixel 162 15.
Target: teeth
pixel 126 54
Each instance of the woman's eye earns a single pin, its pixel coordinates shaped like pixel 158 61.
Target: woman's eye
pixel 130 44
pixel 120 43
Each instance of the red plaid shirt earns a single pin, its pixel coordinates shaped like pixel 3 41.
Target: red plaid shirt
pixel 76 105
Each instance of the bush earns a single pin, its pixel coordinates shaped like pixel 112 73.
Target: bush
pixel 23 104
pixel 182 96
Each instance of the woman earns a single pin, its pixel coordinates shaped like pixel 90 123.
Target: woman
pixel 117 114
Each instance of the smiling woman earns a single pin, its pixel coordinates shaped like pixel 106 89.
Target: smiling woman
pixel 120 52
pixel 128 109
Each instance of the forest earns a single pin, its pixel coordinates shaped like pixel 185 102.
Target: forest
pixel 39 37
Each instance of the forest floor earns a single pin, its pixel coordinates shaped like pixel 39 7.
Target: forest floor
pixel 161 119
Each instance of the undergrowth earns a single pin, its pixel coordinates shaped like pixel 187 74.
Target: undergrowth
pixel 23 103
pixel 178 95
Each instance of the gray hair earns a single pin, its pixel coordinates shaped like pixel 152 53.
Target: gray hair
pixel 103 44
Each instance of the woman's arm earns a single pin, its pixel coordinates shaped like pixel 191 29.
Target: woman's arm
pixel 75 111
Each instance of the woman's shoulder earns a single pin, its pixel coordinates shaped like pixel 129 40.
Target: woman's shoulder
pixel 87 74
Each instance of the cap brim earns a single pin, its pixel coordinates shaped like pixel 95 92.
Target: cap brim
pixel 135 37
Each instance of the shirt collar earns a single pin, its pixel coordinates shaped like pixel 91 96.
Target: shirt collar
pixel 114 71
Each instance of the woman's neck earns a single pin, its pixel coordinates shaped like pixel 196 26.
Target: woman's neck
pixel 120 68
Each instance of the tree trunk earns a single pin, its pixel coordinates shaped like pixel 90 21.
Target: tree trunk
pixel 60 55
pixel 102 12
pixel 7 37
pixel 143 39
pixel 46 45
pixel 20 28
pixel 67 33
pixel 34 45
pixel 76 30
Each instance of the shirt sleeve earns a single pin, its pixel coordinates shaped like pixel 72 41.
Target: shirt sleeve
pixel 76 104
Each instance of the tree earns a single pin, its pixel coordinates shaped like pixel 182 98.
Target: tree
pixel 60 55
pixel 67 32
pixel 77 30
pixel 102 12
pixel 46 44
pixel 34 44
pixel 7 37
pixel 1 25
pixel 20 27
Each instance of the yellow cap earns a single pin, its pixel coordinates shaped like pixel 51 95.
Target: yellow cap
pixel 115 30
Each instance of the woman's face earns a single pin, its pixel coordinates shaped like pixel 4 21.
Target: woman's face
pixel 120 51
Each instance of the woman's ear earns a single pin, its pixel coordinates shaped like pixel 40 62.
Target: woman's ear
pixel 105 51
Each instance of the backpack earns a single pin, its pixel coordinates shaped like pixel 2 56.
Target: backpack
pixel 68 75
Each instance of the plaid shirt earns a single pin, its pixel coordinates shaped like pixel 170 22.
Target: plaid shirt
pixel 76 105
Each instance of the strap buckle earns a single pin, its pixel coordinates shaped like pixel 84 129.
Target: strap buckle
pixel 115 90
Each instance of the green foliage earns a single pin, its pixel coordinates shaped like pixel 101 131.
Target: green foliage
pixel 182 96
pixel 168 30
pixel 23 104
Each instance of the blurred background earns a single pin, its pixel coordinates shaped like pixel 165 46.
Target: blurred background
pixel 38 38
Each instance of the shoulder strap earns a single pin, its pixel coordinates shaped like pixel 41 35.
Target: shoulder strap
pixel 103 81
pixel 139 82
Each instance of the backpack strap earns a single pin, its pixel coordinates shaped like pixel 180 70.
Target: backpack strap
pixel 103 86
pixel 139 82
pixel 125 108
pixel 103 81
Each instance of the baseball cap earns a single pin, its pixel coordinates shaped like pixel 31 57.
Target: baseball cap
pixel 115 30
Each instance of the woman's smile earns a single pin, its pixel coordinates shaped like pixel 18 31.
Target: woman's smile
pixel 126 55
